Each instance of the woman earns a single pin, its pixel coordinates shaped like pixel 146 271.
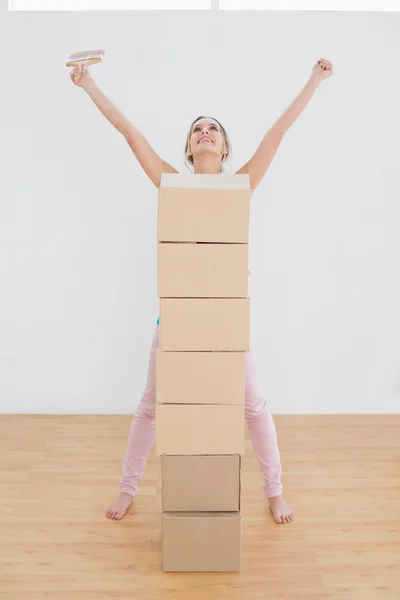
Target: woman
pixel 207 149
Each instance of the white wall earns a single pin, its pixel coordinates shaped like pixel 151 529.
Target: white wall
pixel 78 268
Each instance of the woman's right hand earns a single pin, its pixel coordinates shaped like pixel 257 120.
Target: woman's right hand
pixel 80 76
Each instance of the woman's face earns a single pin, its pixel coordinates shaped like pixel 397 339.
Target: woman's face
pixel 206 137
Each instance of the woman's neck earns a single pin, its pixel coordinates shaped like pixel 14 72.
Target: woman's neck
pixel 207 167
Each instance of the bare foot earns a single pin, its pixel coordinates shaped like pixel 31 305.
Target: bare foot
pixel 120 506
pixel 280 510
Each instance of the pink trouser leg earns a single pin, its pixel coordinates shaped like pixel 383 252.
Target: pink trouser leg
pixel 262 431
pixel 259 419
pixel 142 430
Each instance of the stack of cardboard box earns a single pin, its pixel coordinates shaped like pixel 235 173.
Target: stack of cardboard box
pixel 203 224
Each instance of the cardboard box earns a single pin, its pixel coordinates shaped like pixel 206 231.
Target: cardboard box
pixel 203 270
pixel 204 208
pixel 204 324
pixel 201 541
pixel 200 483
pixel 200 377
pixel 187 429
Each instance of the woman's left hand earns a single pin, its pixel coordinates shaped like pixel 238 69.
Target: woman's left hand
pixel 322 69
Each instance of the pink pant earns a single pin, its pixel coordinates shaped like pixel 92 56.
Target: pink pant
pixel 259 419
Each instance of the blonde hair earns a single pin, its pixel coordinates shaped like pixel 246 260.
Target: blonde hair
pixel 228 147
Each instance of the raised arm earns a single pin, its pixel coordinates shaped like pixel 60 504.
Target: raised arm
pixel 259 163
pixel 152 164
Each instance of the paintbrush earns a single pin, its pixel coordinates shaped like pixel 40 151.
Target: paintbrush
pixel 84 58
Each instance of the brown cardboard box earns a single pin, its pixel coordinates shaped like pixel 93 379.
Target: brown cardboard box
pixel 201 541
pixel 186 429
pixel 200 377
pixel 204 324
pixel 200 483
pixel 203 270
pixel 203 208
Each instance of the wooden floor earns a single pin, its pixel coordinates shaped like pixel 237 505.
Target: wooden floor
pixel 341 476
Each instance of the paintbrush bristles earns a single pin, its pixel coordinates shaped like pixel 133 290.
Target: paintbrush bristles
pixel 87 57
pixel 84 54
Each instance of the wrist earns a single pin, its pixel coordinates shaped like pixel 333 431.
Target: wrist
pixel 314 80
pixel 88 84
